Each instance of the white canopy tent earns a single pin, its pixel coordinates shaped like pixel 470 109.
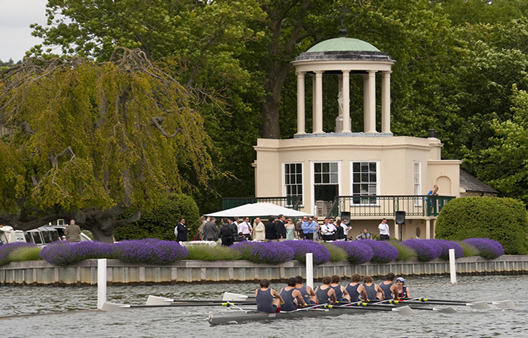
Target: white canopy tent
pixel 258 210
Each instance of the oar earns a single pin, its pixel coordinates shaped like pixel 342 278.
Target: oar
pixel 438 309
pixel 112 307
pixel 474 305
pixel 402 310
pixel 502 304
pixel 155 300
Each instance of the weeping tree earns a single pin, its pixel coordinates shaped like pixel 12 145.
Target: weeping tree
pixel 89 141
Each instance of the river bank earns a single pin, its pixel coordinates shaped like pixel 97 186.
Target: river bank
pixel 37 273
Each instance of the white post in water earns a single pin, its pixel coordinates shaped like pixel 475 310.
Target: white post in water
pixel 101 282
pixel 452 266
pixel 309 269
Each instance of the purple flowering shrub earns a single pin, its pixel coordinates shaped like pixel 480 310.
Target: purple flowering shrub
pixel 301 248
pixel 488 248
pixel 66 253
pixel 150 251
pixel 383 251
pixel 425 250
pixel 261 252
pixel 445 245
pixel 7 249
pixel 357 252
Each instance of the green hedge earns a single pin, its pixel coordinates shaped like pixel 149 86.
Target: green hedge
pixel 502 219
pixel 160 222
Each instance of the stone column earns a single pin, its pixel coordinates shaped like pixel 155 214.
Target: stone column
pixel 314 94
pixel 301 129
pixel 385 102
pixel 366 116
pixel 372 101
pixel 346 101
pixel 318 114
pixel 427 229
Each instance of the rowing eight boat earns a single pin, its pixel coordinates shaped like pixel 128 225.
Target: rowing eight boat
pixel 301 313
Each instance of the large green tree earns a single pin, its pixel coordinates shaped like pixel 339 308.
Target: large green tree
pixel 89 141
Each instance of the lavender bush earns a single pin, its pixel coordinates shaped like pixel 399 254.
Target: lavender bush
pixel 405 253
pixel 268 253
pixel 488 248
pixel 66 253
pixel 150 251
pixel 445 245
pixel 301 248
pixel 7 249
pixel 357 252
pixel 425 250
pixel 383 251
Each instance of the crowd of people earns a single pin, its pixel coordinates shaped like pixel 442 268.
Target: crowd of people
pixel 235 229
pixel 297 294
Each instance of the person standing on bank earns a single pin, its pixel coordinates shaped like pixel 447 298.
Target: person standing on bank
pixel 245 228
pixel 210 230
pixel 226 231
pixel 181 231
pixel 281 228
pixel 384 230
pixel 259 230
pixel 308 228
pixel 271 230
pixel 73 232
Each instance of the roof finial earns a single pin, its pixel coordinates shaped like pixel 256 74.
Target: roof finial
pixel 343 12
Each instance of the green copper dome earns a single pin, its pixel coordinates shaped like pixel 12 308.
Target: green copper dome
pixel 343 44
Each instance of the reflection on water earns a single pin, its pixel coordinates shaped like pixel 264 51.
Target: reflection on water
pixel 191 322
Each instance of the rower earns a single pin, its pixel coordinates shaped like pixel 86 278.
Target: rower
pixel 372 289
pixel 388 286
pixel 306 291
pixel 291 297
pixel 325 294
pixel 340 291
pixel 354 289
pixel 402 291
pixel 268 300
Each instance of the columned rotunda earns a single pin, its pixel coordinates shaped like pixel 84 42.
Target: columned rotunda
pixel 368 173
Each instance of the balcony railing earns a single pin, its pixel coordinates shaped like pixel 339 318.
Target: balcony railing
pixel 287 202
pixel 386 206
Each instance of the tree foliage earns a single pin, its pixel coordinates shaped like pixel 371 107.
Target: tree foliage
pixel 91 140
pixel 160 222
pixel 502 219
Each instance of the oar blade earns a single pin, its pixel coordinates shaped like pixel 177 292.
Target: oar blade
pixel 404 310
pixel 504 304
pixel 155 300
pixel 445 309
pixel 233 297
pixel 479 305
pixel 113 307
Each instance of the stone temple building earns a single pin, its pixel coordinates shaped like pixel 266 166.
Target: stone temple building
pixel 364 174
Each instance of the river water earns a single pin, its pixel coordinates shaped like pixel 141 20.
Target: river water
pixel 69 312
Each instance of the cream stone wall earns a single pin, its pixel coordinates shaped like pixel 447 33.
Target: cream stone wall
pixel 396 157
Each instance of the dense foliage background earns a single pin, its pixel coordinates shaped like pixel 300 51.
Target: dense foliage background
pixel 461 69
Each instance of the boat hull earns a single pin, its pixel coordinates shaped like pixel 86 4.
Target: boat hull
pixel 262 316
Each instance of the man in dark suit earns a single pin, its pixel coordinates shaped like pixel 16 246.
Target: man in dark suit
pixel 281 229
pixel 271 230
pixel 181 231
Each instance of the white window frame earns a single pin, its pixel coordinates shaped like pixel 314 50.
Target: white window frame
pixel 378 182
pixel 313 184
pixel 284 185
pixel 417 180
